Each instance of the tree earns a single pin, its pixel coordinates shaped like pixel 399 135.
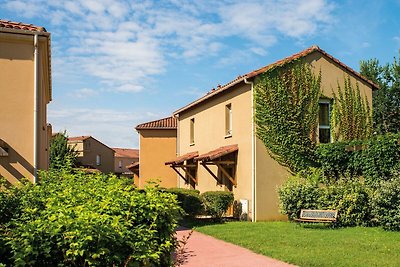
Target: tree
pixel 386 100
pixel 61 154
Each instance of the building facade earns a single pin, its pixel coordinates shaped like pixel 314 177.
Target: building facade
pixel 217 145
pixel 93 154
pixel 25 91
pixel 157 145
pixel 125 157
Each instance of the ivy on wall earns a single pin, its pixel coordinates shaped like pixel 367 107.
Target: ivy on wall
pixel 351 117
pixel 286 113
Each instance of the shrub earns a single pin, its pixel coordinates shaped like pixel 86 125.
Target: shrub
pixel 386 204
pixel 351 197
pixel 216 203
pixel 189 200
pixel 296 194
pixel 92 220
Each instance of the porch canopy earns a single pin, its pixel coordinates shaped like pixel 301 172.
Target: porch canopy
pixel 134 167
pixel 223 158
pixel 186 163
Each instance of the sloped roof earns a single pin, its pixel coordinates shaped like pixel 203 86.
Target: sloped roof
pixel 78 138
pixel 252 74
pixel 20 26
pixel 217 153
pixel 182 158
pixel 126 152
pixel 133 165
pixel 165 123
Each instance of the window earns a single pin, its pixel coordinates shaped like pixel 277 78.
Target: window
pixel 324 128
pixel 120 163
pixel 98 160
pixel 192 131
pixel 228 120
pixel 86 145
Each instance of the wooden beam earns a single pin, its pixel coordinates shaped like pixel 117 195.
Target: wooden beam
pixel 210 171
pixel 180 174
pixel 215 162
pixel 188 174
pixel 185 165
pixel 226 174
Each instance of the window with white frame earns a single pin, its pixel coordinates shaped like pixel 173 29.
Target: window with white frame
pixel 98 160
pixel 120 163
pixel 192 131
pixel 324 127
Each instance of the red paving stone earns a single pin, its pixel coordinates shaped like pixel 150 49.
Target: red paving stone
pixel 202 250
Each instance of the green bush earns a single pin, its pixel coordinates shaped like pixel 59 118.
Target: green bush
pixel 189 200
pixel 351 197
pixel 92 220
pixel 386 204
pixel 216 203
pixel 296 194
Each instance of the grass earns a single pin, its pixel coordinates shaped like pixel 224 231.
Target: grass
pixel 316 245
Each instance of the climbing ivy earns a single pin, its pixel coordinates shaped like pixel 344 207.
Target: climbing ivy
pixel 351 117
pixel 286 113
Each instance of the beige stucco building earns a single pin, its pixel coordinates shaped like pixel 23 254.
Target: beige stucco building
pixel 217 146
pixel 157 145
pixel 25 91
pixel 93 154
pixel 123 158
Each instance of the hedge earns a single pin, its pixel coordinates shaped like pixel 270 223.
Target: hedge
pixel 89 220
pixel 216 203
pixel 189 200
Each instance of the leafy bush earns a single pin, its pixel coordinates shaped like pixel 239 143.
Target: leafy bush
pixel 298 193
pixel 386 204
pixel 216 203
pixel 351 197
pixel 375 161
pixel 92 220
pixel 189 200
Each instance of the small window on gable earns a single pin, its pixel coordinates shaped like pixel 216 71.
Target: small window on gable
pixel 98 160
pixel 191 131
pixel 324 127
pixel 228 120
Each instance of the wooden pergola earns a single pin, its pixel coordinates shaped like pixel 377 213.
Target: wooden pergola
pixel 223 158
pixel 187 164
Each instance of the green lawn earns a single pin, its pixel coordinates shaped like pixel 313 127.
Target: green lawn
pixel 312 245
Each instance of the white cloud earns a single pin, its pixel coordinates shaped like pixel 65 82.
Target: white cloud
pixel 113 128
pixel 84 93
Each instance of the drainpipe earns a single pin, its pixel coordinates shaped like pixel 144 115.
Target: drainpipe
pixel 178 152
pixel 36 98
pixel 253 155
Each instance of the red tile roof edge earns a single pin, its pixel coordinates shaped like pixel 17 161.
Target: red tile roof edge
pixel 133 165
pixel 181 159
pixel 281 62
pixel 21 26
pixel 78 138
pixel 217 153
pixel 126 152
pixel 165 123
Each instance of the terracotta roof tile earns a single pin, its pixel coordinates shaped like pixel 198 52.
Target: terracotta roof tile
pixel 281 62
pixel 166 123
pixel 21 26
pixel 182 158
pixel 217 153
pixel 78 138
pixel 126 152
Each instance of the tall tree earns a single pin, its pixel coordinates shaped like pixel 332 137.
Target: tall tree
pixel 386 100
pixel 61 154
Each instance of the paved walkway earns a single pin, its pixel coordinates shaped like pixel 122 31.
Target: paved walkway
pixel 202 250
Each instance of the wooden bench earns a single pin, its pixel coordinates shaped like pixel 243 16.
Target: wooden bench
pixel 317 216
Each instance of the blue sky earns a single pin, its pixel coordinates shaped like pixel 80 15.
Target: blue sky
pixel 116 64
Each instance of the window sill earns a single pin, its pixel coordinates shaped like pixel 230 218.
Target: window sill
pixel 191 144
pixel 228 136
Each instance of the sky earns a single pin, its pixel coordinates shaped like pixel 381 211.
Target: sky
pixel 116 64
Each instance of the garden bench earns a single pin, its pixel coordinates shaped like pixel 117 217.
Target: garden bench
pixel 320 216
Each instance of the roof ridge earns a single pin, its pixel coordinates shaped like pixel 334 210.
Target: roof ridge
pixel 21 26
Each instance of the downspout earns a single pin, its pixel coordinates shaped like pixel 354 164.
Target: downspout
pixel 253 155
pixel 36 100
pixel 178 152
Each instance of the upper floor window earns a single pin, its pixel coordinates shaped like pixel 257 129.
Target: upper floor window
pixel 324 127
pixel 228 120
pixel 120 163
pixel 191 131
pixel 98 160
